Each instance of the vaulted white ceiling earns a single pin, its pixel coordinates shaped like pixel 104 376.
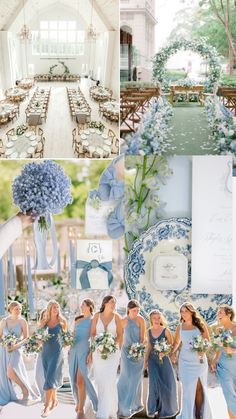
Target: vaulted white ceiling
pixel 105 11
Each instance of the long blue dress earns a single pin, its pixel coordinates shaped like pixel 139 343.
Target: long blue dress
pixel 52 359
pixel 39 375
pixel 15 360
pixel 190 371
pixel 77 360
pixel 131 374
pixel 226 372
pixel 162 385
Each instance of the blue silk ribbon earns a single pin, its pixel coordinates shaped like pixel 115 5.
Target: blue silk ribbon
pixel 88 266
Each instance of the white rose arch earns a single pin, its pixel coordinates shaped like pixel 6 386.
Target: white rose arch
pixel 199 46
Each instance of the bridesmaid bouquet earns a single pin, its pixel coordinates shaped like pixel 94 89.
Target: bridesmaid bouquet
pixel 136 351
pixel 223 339
pixel 67 338
pixel 9 340
pixel 200 345
pixel 42 189
pixel 105 343
pixel 162 348
pixel 35 342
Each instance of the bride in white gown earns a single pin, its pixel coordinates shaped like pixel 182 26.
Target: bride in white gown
pixel 105 371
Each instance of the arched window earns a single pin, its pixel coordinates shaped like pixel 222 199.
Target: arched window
pixel 59 38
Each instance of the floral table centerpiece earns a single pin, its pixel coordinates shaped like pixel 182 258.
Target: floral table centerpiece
pixel 97 125
pixel 21 129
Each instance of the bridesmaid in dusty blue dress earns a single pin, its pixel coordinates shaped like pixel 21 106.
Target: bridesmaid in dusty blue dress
pixel 224 365
pixel 192 373
pixel 162 385
pixel 11 363
pixel 131 371
pixel 39 373
pixel 52 357
pixel 78 369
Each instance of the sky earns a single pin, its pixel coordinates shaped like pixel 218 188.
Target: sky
pixel 165 13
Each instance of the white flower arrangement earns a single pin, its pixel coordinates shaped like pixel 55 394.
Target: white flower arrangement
pixel 223 339
pixel 67 338
pixel 97 125
pixel 162 348
pixel 199 46
pixel 8 341
pixel 21 129
pixel 136 351
pixel 222 126
pixel 153 132
pixel 200 345
pixel 105 343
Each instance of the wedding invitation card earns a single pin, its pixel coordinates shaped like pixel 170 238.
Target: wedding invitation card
pixel 94 264
pixel 212 225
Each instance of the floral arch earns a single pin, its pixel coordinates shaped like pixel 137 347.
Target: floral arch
pixel 199 46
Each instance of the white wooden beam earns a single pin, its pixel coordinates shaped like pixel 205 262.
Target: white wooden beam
pixel 14 15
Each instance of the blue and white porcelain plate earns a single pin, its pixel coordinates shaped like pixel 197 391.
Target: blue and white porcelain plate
pixel 170 235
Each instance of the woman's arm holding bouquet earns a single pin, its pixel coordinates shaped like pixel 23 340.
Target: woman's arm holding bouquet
pixel 12 229
pixel 177 342
pixel 92 335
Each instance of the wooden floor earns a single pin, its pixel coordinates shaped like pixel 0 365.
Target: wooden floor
pixel 59 125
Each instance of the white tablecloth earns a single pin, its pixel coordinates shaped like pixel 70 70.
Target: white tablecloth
pixel 94 140
pixel 22 146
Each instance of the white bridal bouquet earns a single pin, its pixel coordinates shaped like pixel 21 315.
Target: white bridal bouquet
pixel 9 340
pixel 105 343
pixel 200 345
pixel 162 348
pixel 136 351
pixel 223 339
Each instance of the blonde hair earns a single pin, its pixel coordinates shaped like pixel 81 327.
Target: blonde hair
pixel 12 305
pixel 51 303
pixel 163 320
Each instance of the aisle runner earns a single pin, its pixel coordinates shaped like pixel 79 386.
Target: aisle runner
pixel 212 225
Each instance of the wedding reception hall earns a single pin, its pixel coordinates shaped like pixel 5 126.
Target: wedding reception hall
pixel 59 79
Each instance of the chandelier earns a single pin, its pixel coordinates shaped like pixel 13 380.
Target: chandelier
pixel 92 33
pixel 25 33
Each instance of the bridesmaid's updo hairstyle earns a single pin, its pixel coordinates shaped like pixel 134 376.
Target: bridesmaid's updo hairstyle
pixel 132 304
pixel 89 303
pixel 12 305
pixel 163 320
pixel 196 318
pixel 228 311
pixel 105 301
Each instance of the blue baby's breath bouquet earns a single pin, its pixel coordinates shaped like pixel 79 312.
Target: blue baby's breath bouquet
pixel 42 189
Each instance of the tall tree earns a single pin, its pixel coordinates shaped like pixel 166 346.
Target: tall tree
pixel 222 10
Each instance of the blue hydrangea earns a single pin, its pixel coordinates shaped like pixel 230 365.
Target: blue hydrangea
pixel 42 189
